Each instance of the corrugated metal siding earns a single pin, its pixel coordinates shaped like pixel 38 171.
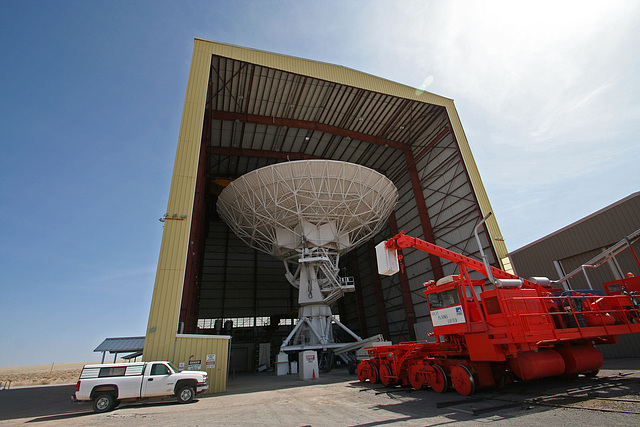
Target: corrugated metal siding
pixel 596 276
pixel 579 242
pixel 345 76
pixel 347 308
pixel 406 215
pixel 478 187
pixel 453 211
pixel 238 281
pixel 197 347
pixel 167 293
pixel 627 346
pixel 599 230
pixel 320 70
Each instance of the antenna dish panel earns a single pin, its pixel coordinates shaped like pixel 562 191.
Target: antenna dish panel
pixel 281 208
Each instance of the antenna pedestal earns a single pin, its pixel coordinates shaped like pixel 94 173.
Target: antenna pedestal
pixel 308 213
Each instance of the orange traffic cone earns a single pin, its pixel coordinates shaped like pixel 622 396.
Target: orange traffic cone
pixel 314 375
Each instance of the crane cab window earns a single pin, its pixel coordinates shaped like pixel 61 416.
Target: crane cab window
pixel 444 299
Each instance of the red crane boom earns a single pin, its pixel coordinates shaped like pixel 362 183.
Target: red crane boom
pixel 402 241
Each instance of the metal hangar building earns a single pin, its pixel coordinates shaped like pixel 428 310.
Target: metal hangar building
pixel 580 245
pixel 216 301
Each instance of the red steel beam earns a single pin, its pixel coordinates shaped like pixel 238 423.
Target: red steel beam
pixel 225 84
pixel 498 261
pixel 195 250
pixel 425 150
pixel 446 131
pixel 247 152
pixel 425 221
pixel 362 319
pixel 305 124
pixel 405 289
pixel 377 285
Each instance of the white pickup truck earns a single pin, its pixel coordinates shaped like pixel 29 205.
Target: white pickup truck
pixel 109 384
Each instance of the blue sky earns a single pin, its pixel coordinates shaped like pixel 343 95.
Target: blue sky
pixel 92 94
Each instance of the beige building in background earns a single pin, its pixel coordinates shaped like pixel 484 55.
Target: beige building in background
pixel 567 249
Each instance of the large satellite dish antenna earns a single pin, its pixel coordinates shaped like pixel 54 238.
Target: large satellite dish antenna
pixel 308 213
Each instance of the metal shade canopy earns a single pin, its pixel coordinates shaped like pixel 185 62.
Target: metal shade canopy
pixel 308 213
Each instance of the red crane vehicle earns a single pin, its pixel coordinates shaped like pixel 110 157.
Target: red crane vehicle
pixel 494 331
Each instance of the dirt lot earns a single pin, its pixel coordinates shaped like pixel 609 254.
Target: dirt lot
pixel 338 399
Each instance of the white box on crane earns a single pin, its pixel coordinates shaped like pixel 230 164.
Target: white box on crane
pixel 387 260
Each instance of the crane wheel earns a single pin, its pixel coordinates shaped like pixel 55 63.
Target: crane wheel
pixel 368 371
pixel 462 380
pixel 416 378
pixel 438 379
pixel 385 375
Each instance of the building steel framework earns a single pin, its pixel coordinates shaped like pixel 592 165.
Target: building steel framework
pixel 257 115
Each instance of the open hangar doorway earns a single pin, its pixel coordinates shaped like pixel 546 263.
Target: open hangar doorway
pixel 247 109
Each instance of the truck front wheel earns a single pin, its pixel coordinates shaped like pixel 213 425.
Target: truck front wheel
pixel 103 403
pixel 186 394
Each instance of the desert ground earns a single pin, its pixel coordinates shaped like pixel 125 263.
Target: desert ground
pixel 25 376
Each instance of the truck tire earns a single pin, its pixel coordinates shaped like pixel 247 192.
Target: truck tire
pixel 103 403
pixel 185 394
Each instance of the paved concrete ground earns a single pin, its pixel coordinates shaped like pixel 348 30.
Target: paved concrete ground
pixel 338 399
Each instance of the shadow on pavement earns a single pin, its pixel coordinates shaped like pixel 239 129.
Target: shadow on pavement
pixel 122 409
pixel 53 403
pixel 29 402
pixel 614 392
pixel 249 382
pixel 60 417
